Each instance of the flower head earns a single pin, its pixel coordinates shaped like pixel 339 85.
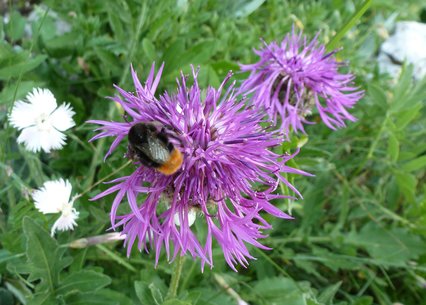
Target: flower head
pixel 295 76
pixel 54 197
pixel 41 121
pixel 225 153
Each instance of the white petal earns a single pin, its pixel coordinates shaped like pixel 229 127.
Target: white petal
pixel 29 137
pixel 53 196
pixel 66 221
pixel 42 137
pixel 61 118
pixel 192 215
pixel 43 100
pixel 51 139
pixel 23 115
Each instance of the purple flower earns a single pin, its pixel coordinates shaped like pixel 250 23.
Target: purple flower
pixel 227 177
pixel 296 75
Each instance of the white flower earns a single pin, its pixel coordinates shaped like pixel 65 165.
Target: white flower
pixel 54 197
pixel 192 215
pixel 41 121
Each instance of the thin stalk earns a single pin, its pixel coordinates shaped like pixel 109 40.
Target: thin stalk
pixel 174 282
pixel 351 22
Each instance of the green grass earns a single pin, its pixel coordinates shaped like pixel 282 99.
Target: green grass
pixel 359 233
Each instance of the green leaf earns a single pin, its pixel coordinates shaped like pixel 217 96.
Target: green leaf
pixel 393 147
pixel 44 256
pixel 176 302
pixel 197 54
pixel 90 299
pixel 378 96
pixel 169 57
pixel 365 300
pixel 149 49
pixel 16 26
pixel 407 115
pixel 399 99
pixel 83 281
pixel 143 293
pixel 7 93
pixel 407 184
pixel 279 290
pixel 245 8
pixel 394 246
pixel 156 294
pixel 5 256
pixel 416 164
pixel 42 298
pixel 16 69
pixel 328 293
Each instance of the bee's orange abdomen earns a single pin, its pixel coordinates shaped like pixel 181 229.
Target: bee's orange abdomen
pixel 173 164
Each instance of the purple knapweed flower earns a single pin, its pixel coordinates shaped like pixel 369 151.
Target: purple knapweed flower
pixel 227 177
pixel 295 76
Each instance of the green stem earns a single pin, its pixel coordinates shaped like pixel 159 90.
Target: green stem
pixel 174 282
pixel 355 17
pixel 116 258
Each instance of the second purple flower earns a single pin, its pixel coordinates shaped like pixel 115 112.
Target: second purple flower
pixel 293 77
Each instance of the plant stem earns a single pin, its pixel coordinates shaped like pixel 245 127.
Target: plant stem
pixel 355 17
pixel 174 282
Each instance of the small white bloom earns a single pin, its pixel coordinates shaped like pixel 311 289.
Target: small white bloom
pixel 41 121
pixel 192 215
pixel 54 197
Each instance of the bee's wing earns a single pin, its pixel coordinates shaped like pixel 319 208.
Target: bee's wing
pixel 155 149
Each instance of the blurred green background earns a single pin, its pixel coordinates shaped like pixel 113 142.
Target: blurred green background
pixel 359 233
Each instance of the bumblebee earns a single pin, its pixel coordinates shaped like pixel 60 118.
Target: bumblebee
pixel 153 149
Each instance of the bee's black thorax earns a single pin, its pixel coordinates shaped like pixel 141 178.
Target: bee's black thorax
pixel 148 145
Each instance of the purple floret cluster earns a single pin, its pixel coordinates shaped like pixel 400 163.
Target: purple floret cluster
pixel 295 76
pixel 230 172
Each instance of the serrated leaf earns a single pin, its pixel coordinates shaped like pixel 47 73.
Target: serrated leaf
pixel 44 256
pixel 83 281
